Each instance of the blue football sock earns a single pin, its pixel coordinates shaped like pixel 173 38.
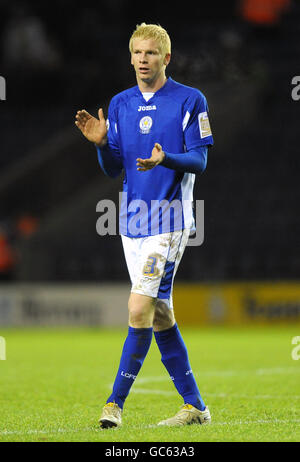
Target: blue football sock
pixel 174 356
pixel 135 349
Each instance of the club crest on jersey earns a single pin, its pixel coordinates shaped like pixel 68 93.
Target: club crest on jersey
pixel 145 125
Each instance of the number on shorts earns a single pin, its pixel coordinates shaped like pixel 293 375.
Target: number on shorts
pixel 150 266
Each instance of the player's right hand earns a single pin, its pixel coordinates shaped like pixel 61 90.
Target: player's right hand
pixel 92 128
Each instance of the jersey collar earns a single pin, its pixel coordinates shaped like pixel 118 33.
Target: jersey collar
pixel 162 90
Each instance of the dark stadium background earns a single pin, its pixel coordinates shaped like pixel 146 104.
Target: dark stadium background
pixel 64 289
pixel 77 57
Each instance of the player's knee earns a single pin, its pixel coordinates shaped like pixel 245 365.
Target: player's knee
pixel 163 317
pixel 141 310
pixel 138 319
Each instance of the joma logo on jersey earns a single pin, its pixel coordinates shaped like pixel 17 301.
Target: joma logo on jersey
pixel 147 108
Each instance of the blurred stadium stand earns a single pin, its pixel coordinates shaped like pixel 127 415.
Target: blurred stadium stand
pixel 51 173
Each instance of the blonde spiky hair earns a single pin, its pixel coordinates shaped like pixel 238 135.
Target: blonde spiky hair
pixel 152 31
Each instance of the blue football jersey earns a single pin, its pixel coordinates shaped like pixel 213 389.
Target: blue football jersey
pixel 176 116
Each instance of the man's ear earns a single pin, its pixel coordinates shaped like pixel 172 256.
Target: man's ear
pixel 131 60
pixel 167 59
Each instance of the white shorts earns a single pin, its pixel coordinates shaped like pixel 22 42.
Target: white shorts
pixel 152 263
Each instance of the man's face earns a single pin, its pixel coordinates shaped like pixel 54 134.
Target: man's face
pixel 147 60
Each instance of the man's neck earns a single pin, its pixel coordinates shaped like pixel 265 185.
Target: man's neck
pixel 152 86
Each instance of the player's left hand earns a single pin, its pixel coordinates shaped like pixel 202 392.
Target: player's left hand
pixel 157 156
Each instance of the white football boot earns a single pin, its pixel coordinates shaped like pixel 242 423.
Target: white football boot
pixel 111 416
pixel 188 415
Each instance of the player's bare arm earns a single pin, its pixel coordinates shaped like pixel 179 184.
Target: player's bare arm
pixel 157 156
pixel 92 128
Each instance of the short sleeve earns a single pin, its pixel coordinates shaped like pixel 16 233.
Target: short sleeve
pixel 112 130
pixel 196 126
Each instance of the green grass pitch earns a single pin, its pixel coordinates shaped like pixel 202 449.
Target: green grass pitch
pixel 54 383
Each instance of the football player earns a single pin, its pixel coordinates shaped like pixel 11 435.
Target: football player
pixel 158 133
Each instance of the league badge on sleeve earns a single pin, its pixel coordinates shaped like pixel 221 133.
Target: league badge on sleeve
pixel 204 125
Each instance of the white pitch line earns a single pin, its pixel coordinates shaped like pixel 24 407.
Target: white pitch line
pixel 226 373
pixel 222 373
pixel 46 432
pixel 259 421
pixel 150 391
pixel 96 430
